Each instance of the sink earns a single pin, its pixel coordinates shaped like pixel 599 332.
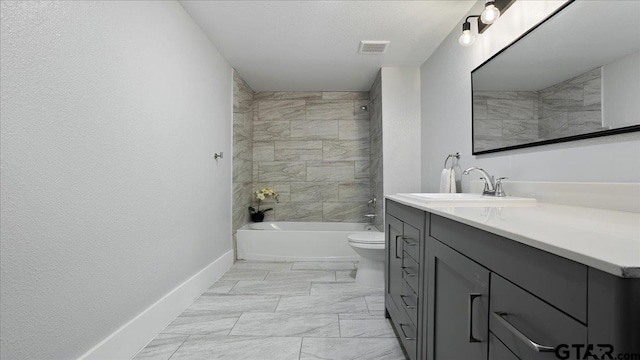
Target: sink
pixel 467 199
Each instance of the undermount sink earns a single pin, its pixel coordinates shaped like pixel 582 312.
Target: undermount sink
pixel 466 199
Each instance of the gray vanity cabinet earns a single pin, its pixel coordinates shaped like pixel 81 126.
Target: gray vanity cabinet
pixel 454 291
pixel 403 274
pixel 457 305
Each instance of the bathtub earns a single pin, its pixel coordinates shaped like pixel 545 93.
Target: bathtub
pixel 298 241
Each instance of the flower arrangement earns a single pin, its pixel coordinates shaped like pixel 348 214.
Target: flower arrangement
pixel 261 195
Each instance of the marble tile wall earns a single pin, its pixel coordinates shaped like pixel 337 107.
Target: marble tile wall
pixel 572 107
pixel 243 149
pixel 314 149
pixel 375 136
pixel 506 118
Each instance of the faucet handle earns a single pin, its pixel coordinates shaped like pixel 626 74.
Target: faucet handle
pixel 499 188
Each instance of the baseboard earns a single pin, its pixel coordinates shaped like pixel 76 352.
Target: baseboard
pixel 125 342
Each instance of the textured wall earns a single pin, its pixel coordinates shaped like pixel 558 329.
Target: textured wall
pixel 110 112
pixel 313 147
pixel 375 131
pixel 446 116
pixel 243 110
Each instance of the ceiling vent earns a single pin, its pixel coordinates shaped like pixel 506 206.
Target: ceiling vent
pixel 373 47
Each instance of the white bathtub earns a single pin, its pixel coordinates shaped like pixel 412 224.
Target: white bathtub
pixel 298 241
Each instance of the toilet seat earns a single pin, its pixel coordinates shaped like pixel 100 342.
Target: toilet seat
pixel 373 237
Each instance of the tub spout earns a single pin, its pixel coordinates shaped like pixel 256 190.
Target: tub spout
pixel 370 217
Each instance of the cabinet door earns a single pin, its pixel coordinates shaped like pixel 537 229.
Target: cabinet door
pixel 393 270
pixel 458 305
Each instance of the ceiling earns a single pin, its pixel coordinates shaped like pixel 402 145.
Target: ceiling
pixel 312 45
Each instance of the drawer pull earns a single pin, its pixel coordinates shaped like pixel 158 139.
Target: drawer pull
pixel 410 243
pixel 532 344
pixel 472 297
pixel 404 334
pixel 405 302
pixel 406 272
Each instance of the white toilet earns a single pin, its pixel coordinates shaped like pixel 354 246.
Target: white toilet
pixel 370 246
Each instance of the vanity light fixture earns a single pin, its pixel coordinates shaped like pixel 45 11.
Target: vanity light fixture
pixel 490 14
pixel 467 38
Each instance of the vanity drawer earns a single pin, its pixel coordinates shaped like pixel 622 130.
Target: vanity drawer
pixel 407 332
pixel 516 316
pixel 497 350
pixel 556 280
pixel 411 242
pixel 409 302
pixel 410 272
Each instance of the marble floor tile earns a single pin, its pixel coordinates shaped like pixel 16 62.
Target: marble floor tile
pixel 239 347
pixel 302 275
pixel 362 316
pixel 202 322
pixel 161 347
pixel 375 302
pixel 221 287
pixel 280 287
pixel 278 324
pixel 345 289
pixel 261 265
pixel 349 349
pixel 323 265
pixel 345 275
pixel 370 328
pixel 331 304
pixel 234 274
pixel 235 303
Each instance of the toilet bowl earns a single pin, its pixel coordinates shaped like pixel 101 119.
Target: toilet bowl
pixel 370 246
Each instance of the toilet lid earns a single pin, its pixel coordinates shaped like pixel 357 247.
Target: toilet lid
pixel 373 237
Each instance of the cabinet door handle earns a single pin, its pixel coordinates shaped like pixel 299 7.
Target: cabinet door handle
pixel 405 302
pixel 398 236
pixel 406 272
pixel 532 344
pixel 472 297
pixel 404 334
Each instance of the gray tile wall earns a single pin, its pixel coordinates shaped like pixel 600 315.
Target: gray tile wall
pixel 314 149
pixel 375 135
pixel 506 118
pixel 572 107
pixel 243 150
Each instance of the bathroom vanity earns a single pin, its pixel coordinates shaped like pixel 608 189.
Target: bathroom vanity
pixel 541 281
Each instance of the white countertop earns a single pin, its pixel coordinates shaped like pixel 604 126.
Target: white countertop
pixel 604 239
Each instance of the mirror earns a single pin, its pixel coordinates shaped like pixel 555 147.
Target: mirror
pixel 573 76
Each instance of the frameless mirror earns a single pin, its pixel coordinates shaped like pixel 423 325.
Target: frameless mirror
pixel 573 76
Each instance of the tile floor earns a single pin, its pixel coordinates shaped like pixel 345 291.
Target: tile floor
pixel 281 311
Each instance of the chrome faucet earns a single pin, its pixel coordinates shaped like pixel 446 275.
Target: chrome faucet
pixel 372 201
pixel 489 185
pixel 371 217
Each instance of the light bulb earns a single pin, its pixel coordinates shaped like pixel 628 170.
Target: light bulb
pixel 467 38
pixel 490 14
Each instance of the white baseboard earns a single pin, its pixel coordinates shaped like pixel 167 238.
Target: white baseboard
pixel 125 342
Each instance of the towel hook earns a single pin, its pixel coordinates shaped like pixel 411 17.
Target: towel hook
pixel 456 155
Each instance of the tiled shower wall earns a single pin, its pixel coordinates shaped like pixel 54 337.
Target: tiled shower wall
pixel 572 107
pixel 375 134
pixel 242 150
pixel 506 118
pixel 314 149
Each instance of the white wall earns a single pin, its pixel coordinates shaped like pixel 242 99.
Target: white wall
pixel 446 116
pixel 621 91
pixel 110 198
pixel 401 129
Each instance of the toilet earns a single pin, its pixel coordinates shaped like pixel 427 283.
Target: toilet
pixel 370 246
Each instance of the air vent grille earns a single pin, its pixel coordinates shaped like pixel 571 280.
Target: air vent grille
pixel 373 47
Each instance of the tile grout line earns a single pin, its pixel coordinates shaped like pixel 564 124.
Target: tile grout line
pixel 178 348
